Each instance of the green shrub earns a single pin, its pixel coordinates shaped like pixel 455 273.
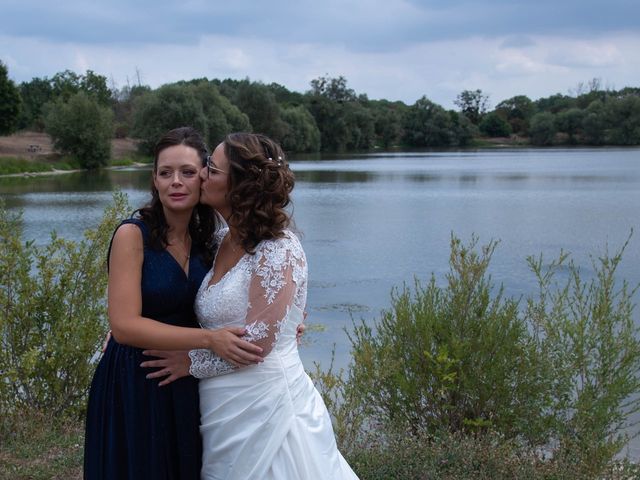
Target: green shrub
pixel 586 330
pixel 553 381
pixel 458 358
pixel 52 300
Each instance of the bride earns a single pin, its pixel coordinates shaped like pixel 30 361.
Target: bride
pixel 265 421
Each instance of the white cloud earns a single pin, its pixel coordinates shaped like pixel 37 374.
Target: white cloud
pixel 398 50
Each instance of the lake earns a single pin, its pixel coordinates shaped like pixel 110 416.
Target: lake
pixel 373 221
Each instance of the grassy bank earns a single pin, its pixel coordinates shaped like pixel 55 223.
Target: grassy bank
pixel 35 446
pixel 22 166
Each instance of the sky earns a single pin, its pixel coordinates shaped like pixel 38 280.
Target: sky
pixel 386 49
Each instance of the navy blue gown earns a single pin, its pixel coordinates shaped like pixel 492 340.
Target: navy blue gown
pixel 135 429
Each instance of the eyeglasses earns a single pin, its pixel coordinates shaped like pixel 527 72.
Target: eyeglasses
pixel 211 167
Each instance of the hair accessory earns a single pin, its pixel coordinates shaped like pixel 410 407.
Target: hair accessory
pixel 279 162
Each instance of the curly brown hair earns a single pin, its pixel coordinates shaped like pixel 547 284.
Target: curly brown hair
pixel 203 221
pixel 260 184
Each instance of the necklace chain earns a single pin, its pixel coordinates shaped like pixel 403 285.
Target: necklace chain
pixel 185 250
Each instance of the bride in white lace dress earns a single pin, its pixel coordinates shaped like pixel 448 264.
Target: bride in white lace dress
pixel 264 421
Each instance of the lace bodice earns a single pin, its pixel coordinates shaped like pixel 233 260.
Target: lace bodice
pixel 257 293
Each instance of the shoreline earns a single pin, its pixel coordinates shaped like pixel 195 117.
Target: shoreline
pixel 62 172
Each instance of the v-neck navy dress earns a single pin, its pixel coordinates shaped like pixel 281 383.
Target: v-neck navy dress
pixel 134 428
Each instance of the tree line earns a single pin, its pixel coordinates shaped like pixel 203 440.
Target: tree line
pixel 82 114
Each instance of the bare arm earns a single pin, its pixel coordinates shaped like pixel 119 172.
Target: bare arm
pixel 129 327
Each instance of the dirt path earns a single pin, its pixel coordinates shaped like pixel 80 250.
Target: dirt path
pixel 36 145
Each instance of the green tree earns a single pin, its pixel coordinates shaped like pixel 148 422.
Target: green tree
pixel 10 102
pixel 35 94
pixel 493 125
pixel 82 128
pixel 334 89
pixel 285 97
pixel 427 125
pixel 360 126
pixel 221 115
pixel 594 123
pixel 123 101
pixel 555 103
pixel 161 110
pixel 543 128
pixel 345 123
pixel 517 111
pixel 570 122
pixel 302 134
pixel 473 104
pixel 624 120
pixel 389 118
pixel 259 104
pixel 95 85
pixel 463 131
pixel 67 83
pixel 197 103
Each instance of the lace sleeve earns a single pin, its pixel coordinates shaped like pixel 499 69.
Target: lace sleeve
pixel 278 280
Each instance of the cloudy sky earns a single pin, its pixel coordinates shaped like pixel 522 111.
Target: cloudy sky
pixel 393 49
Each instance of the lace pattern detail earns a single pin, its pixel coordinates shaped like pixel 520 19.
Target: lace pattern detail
pixel 272 258
pixel 256 331
pixel 257 294
pixel 205 363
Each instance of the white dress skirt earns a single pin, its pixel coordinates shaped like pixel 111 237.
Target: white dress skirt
pixel 264 421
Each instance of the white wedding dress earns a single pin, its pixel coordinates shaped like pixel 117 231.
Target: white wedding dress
pixel 264 421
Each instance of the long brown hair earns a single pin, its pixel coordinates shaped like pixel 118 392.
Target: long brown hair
pixel 203 220
pixel 260 184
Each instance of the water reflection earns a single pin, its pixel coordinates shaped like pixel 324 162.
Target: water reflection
pixel 372 222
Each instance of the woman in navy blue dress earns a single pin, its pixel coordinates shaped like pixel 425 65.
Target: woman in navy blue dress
pixel 157 260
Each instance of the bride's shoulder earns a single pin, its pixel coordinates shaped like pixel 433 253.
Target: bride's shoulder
pixel 220 234
pixel 288 242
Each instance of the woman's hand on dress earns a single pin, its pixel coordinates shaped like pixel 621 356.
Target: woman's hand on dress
pixel 172 364
pixel 228 345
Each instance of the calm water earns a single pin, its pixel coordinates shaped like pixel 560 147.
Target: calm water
pixel 372 222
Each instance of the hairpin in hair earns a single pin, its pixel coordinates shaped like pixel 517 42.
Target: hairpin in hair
pixel 279 162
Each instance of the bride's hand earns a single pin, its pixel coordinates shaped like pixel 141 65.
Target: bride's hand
pixel 172 364
pixel 299 332
pixel 227 344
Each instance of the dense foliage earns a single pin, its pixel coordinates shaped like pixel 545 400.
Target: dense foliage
pixel 330 116
pixel 552 380
pixel 82 128
pixel 53 315
pixel 10 102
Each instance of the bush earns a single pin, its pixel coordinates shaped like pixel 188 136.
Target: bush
pixel 543 129
pixel 458 358
pixel 587 333
pixel 82 128
pixel 446 456
pixel 493 125
pixel 54 315
pixel 554 381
